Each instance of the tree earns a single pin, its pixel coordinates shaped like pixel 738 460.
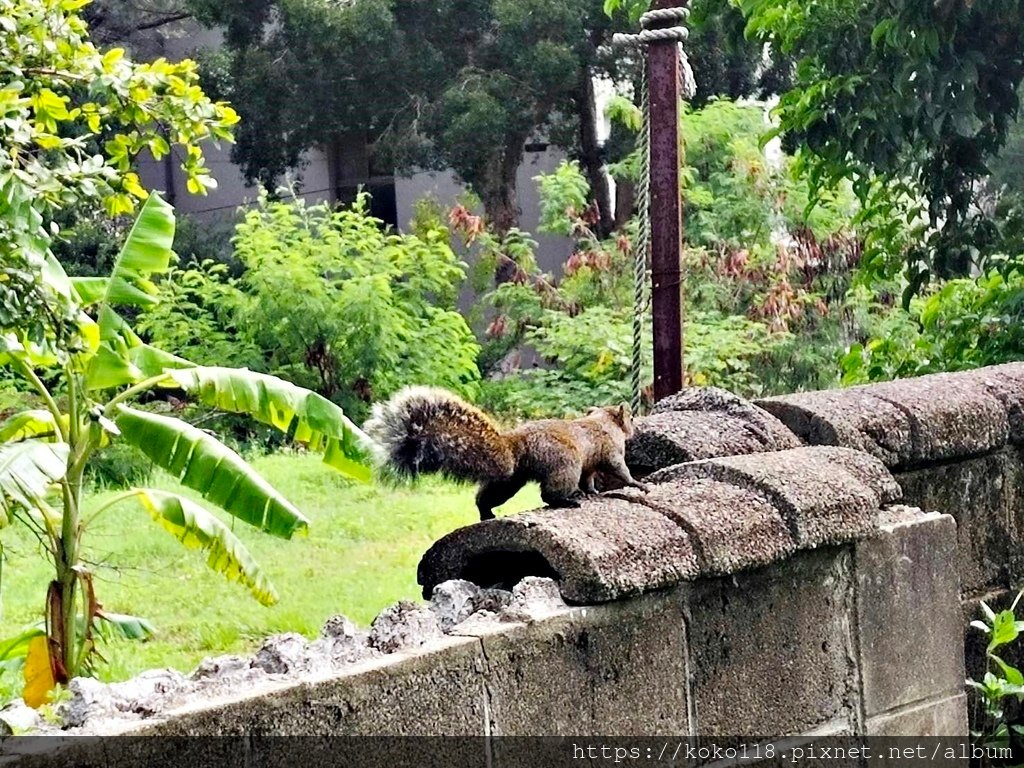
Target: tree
pixel 906 99
pixel 443 84
pixel 88 370
pixel 72 120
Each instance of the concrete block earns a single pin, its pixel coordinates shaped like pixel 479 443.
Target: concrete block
pixel 943 717
pixel 771 650
pixel 849 418
pixel 730 528
pixel 908 616
pixel 904 423
pixel 1005 383
pixel 952 415
pixel 982 496
pixel 606 549
pixel 613 670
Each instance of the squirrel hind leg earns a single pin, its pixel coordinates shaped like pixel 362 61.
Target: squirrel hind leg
pixel 494 493
pixel 562 488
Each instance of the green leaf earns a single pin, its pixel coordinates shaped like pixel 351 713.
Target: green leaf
pixel 147 251
pixel 127 627
pixel 27 470
pixel 305 415
pixel 123 357
pixel 989 613
pixel 17 646
pixel 204 464
pixel 1004 630
pixel 27 425
pixel 196 528
pixel 881 30
pixel 1012 674
pixel 91 290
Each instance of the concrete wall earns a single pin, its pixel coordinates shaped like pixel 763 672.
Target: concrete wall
pixel 787 574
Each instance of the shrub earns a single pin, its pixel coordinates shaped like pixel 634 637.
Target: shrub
pixel 337 304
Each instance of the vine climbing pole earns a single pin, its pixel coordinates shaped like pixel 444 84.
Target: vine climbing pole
pixel 666 78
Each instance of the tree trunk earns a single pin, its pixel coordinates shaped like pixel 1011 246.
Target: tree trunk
pixel 498 193
pixel 625 202
pixel 590 153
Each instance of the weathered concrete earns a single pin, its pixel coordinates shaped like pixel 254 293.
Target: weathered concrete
pixel 1006 384
pixel 788 661
pixel 703 423
pixel 981 494
pixel 904 423
pixel 825 495
pixel 589 670
pixel 606 549
pixel 947 717
pixel 630 542
pixel 407 693
pixel 905 660
pixel 723 541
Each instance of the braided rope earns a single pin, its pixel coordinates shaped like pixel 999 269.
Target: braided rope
pixel 641 249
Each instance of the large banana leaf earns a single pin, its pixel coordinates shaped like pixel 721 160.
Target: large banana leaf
pixel 123 357
pixel 146 252
pixel 27 470
pixel 195 527
pixel 204 464
pixel 29 424
pixel 306 416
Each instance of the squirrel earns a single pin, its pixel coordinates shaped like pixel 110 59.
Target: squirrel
pixel 424 430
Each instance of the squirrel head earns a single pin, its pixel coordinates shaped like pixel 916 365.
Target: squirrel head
pixel 619 414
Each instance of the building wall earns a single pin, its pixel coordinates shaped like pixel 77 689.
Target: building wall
pixel 314 179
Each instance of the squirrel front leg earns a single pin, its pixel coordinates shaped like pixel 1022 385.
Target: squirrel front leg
pixel 617 467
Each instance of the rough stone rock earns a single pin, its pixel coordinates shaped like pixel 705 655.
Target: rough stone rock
pixel 223 674
pixel 281 654
pixel 481 623
pixel 20 717
pixel 150 692
pixel 339 627
pixel 453 602
pixel 534 598
pixel 703 423
pixel 403 625
pixel 90 700
pixel 605 549
pixel 220 666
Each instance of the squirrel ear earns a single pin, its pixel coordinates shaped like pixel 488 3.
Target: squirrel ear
pixel 624 411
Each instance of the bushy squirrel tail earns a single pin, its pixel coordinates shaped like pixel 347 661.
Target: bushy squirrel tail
pixel 423 430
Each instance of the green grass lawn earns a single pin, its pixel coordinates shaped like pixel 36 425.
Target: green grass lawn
pixel 360 555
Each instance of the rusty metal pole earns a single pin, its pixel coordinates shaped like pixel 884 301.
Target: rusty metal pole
pixel 666 213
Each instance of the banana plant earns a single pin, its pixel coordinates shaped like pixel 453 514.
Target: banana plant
pixel 76 349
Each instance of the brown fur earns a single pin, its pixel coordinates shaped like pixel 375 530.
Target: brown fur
pixel 431 430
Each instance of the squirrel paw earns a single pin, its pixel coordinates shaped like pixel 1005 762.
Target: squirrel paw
pixel 562 502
